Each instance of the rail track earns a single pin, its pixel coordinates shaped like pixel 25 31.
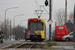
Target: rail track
pixel 27 46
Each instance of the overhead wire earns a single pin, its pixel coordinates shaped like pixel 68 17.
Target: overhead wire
pixel 20 3
pixel 15 3
pixel 37 4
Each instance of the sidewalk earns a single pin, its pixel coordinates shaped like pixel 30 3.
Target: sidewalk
pixel 64 47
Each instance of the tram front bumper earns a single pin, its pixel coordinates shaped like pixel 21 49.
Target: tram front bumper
pixel 35 37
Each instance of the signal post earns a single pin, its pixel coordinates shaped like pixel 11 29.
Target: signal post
pixel 50 14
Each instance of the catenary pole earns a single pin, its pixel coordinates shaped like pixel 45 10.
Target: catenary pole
pixel 65 11
pixel 74 25
pixel 50 5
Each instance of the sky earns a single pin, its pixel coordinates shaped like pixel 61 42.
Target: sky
pixel 28 7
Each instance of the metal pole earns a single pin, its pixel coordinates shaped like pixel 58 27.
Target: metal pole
pixel 50 2
pixel 14 27
pixel 14 19
pixel 74 25
pixel 65 11
pixel 22 21
pixel 5 21
pixel 10 29
pixel 19 33
pixel 14 23
pixel 5 25
pixel 55 24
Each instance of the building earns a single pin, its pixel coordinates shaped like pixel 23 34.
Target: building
pixel 69 26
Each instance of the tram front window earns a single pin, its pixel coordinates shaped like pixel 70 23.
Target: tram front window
pixel 35 26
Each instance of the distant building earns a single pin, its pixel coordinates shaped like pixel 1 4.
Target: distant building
pixel 69 26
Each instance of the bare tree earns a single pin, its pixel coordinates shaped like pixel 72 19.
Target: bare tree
pixel 18 32
pixel 60 16
pixel 2 26
pixel 71 15
pixel 7 28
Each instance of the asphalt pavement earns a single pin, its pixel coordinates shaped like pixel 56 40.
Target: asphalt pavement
pixel 66 43
pixel 66 46
pixel 7 42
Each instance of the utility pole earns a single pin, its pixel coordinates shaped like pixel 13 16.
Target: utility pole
pixel 55 24
pixel 74 25
pixel 65 11
pixel 10 29
pixel 50 14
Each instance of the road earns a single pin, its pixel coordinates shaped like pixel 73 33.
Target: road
pixel 8 42
pixel 66 45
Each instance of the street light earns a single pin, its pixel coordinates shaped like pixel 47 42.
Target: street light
pixel 14 21
pixel 14 18
pixel 20 25
pixel 5 19
pixel 22 21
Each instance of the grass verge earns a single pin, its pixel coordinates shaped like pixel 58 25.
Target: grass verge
pixel 12 46
pixel 48 45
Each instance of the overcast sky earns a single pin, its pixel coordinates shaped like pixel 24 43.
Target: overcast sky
pixel 28 8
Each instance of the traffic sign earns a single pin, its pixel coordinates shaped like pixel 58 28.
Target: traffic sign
pixel 50 22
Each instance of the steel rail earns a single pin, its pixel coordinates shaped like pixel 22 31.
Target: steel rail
pixel 31 45
pixel 24 44
pixel 20 45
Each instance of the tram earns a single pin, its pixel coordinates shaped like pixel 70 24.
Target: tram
pixel 36 29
